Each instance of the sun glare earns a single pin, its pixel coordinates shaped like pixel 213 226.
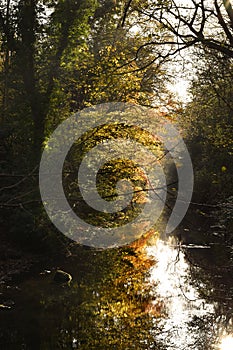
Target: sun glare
pixel 226 343
pixel 180 89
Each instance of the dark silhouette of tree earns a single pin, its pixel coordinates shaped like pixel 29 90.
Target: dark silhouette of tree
pixel 196 22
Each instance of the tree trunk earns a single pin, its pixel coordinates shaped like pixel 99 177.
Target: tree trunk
pixel 27 59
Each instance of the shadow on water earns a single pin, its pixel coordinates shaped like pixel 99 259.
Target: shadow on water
pixel 171 296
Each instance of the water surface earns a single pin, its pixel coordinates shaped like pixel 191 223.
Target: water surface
pixel 120 299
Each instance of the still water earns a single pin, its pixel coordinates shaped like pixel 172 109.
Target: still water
pixel 177 296
pixel 191 320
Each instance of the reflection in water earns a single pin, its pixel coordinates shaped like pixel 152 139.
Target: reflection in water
pixel 110 304
pixel 190 319
pixel 104 308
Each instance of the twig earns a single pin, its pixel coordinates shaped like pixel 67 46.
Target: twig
pixel 19 182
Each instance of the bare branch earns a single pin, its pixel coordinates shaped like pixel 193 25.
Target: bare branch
pixel 125 12
pixel 199 23
pixel 223 23
pixel 20 181
pixel 229 10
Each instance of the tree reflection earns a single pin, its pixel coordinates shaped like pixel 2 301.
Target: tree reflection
pixel 114 303
pixel 108 305
pixel 107 312
pixel 211 272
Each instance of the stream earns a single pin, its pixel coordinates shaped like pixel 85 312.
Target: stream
pixel 183 301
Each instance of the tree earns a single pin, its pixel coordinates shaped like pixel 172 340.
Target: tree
pixel 63 56
pixel 29 38
pixel 208 122
pixel 192 23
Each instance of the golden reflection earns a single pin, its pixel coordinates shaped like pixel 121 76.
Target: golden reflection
pixel 226 343
pixel 183 304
